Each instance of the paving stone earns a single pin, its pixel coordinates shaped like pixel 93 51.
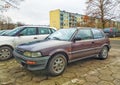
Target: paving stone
pixel 114 69
pixel 69 75
pixel 7 81
pixel 60 79
pixel 105 83
pixel 27 78
pixel 105 71
pixel 94 73
pixel 89 83
pixel 80 81
pixel 47 82
pixel 20 74
pixel 38 79
pixel 90 78
pixel 116 81
pixel 106 77
pixel 117 76
pixel 2 64
pixel 30 83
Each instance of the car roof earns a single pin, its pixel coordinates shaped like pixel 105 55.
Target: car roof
pixel 35 26
pixel 86 28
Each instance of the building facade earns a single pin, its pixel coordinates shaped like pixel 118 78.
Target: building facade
pixel 62 19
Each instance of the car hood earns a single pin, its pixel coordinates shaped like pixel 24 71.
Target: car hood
pixel 37 46
pixel 5 38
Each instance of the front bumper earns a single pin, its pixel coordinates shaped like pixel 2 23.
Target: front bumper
pixel 40 63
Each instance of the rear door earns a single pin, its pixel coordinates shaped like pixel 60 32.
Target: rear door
pixel 83 47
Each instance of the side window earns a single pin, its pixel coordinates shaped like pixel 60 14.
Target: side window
pixel 97 34
pixel 28 31
pixel 44 31
pixel 84 34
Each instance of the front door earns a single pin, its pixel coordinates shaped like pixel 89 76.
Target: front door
pixel 26 35
pixel 82 47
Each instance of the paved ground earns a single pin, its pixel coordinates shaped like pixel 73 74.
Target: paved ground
pixel 85 72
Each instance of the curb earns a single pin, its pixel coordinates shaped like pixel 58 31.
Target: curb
pixel 115 38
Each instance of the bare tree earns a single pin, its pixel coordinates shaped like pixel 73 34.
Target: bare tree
pixel 102 9
pixel 7 4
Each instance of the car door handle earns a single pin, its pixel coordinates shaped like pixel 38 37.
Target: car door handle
pixel 35 37
pixel 93 42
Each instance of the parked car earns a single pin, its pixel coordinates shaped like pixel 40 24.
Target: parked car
pixel 62 47
pixel 112 32
pixel 23 34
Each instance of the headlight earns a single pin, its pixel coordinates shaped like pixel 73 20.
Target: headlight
pixel 36 54
pixel 32 54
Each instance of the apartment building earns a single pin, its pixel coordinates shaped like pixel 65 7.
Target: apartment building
pixel 62 19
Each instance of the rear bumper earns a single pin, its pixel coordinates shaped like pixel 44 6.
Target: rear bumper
pixel 39 63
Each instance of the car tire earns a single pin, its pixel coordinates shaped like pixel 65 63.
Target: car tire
pixel 5 53
pixel 104 53
pixel 57 64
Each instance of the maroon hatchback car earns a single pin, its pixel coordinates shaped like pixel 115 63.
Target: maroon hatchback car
pixel 62 47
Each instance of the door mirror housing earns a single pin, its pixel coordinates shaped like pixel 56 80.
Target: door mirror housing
pixel 77 39
pixel 20 34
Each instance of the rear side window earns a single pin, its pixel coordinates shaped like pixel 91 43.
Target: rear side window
pixel 44 31
pixel 84 34
pixel 97 34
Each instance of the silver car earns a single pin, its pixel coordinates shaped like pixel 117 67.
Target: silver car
pixel 19 35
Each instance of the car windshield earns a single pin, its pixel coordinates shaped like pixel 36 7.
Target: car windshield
pixel 63 34
pixel 12 32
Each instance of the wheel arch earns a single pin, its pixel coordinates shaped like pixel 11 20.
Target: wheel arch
pixel 107 47
pixel 7 46
pixel 60 52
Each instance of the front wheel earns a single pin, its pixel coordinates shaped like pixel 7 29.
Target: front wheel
pixel 57 64
pixel 104 53
pixel 5 53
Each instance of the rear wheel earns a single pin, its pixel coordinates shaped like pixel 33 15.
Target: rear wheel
pixel 104 53
pixel 57 64
pixel 5 53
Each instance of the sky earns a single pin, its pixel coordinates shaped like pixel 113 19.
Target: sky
pixel 36 12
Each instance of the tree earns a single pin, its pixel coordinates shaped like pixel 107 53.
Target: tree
pixel 102 9
pixel 7 4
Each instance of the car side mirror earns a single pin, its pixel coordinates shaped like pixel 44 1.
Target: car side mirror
pixel 77 39
pixel 20 34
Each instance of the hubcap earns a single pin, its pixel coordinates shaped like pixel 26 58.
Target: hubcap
pixel 104 52
pixel 4 53
pixel 58 64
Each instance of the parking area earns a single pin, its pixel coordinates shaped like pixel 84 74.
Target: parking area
pixel 90 71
